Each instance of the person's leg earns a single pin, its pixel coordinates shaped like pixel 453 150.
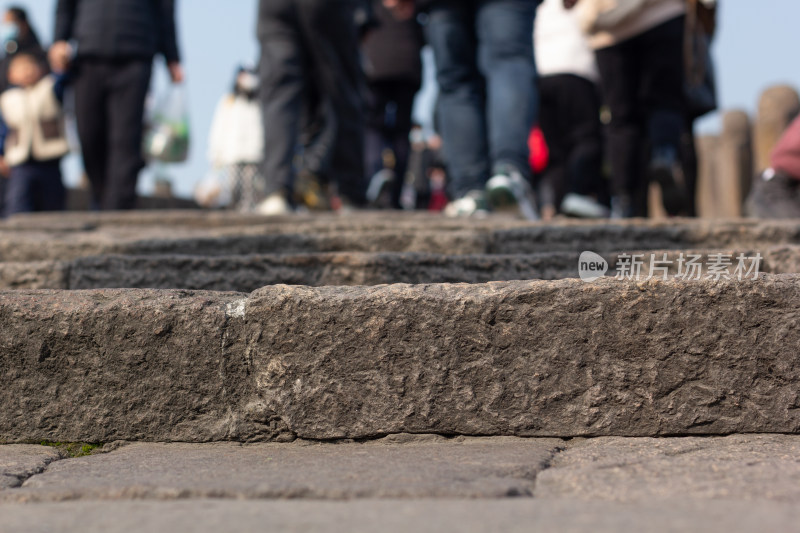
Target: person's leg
pixel 283 81
pixel 688 155
pixel 620 91
pixel 331 37
pixel 49 192
pixel 375 139
pixel 404 94
pixel 19 191
pixel 505 55
pixel 91 119
pixel 581 111
pixel 461 107
pixel 553 178
pixel 128 86
pixel 662 86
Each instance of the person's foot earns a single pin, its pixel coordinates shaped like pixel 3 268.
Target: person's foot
pixel 509 191
pixel 274 205
pixel 581 206
pixel 473 204
pixel 665 170
pixel 379 187
pixel 774 195
pixel 621 207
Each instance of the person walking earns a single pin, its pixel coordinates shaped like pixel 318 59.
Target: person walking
pixel 639 46
pixel 487 102
pixel 236 141
pixel 311 46
pixel 570 113
pixel 116 43
pixel 393 66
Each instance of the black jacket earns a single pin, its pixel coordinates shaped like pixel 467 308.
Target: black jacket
pixel 392 49
pixel 117 29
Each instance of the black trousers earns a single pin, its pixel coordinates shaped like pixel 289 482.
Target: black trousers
pixel 391 105
pixel 642 84
pixel 570 120
pixel 307 46
pixel 109 107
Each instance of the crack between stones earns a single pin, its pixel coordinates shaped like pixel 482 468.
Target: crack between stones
pixel 23 478
pixel 548 464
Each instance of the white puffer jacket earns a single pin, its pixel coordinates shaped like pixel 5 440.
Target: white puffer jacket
pixel 237 134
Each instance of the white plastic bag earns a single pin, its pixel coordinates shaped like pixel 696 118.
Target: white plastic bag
pixel 167 134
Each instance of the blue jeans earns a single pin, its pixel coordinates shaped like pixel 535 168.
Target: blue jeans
pixel 487 79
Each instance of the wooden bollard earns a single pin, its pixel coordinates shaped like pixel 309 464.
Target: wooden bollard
pixel 776 109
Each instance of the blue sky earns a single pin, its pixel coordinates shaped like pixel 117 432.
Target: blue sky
pixel 757 47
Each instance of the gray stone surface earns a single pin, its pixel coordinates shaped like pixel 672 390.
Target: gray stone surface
pixel 111 365
pixel 403 466
pixel 246 273
pixel 561 358
pixel 42 239
pixel 435 516
pixel 35 275
pixel 631 470
pixel 18 462
pixel 540 358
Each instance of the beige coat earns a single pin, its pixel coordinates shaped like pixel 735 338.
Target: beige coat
pixel 608 22
pixel 35 123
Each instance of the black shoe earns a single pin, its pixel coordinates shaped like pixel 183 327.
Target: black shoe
pixel 665 170
pixel 774 195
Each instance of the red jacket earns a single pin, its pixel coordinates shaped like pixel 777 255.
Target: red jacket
pixel 786 156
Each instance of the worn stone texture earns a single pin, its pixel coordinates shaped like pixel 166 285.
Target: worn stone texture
pixel 41 239
pixel 18 462
pixel 124 365
pixel 434 516
pixel 35 275
pixel 561 358
pixel 530 358
pixel 397 467
pixel 631 470
pixel 250 272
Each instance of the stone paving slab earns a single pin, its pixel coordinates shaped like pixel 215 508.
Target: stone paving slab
pixel 434 516
pixel 631 470
pixel 728 484
pixel 403 466
pixel 20 461
pixel 549 359
pixel 247 273
pixel 135 234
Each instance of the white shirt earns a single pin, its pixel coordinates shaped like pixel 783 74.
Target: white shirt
pixel 560 44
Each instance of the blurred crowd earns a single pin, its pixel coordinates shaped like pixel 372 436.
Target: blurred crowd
pixel 545 107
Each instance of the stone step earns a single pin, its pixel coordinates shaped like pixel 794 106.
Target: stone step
pixel 251 272
pixel 548 358
pixel 425 234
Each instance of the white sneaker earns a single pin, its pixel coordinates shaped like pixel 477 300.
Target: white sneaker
pixel 274 205
pixel 473 204
pixel 510 192
pixel 578 205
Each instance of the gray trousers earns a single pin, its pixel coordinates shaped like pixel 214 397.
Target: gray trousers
pixel 311 47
